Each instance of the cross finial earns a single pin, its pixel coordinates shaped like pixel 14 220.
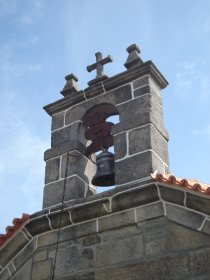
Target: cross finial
pixel 99 65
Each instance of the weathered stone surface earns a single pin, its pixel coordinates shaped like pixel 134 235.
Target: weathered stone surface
pixel 117 220
pixel 122 94
pixel 81 276
pixel 78 164
pixel 76 231
pixel 47 239
pixel 135 198
pixel 142 90
pixel 74 132
pixel 77 259
pixel 13 246
pixel 53 192
pixel 90 211
pixel 11 268
pixel 42 270
pixel 40 255
pixel 121 232
pixel 141 109
pixel 25 254
pixel 199 261
pixel 137 167
pixel 4 275
pixel 148 137
pixel 119 250
pixel 59 219
pixel 182 238
pixel 184 216
pixel 156 237
pixel 141 82
pixel 164 268
pixel 171 195
pixel 138 112
pixel 205 276
pixel 58 120
pixel 75 114
pixel 120 145
pixel 206 227
pixel 67 147
pixel 148 87
pixel 52 170
pixel 24 273
pixel 156 93
pixel 64 103
pixel 198 203
pixel 149 212
pixel 38 225
pixel 94 90
pixel 91 240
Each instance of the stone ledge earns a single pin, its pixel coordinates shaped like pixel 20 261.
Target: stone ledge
pixel 117 220
pixel 147 68
pixel 38 225
pixel 171 195
pixel 198 203
pixel 60 219
pixel 148 212
pixel 64 103
pixel 143 200
pixel 12 247
pixel 67 147
pixel 90 211
pixel 184 216
pixel 134 198
pixel 24 255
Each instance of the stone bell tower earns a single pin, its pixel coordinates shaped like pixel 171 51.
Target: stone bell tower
pixel 139 139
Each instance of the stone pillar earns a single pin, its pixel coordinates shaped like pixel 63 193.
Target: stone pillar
pixel 140 139
pixel 67 139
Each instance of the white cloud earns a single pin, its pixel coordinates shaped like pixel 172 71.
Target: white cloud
pixel 34 40
pixel 32 12
pixel 29 11
pixel 11 68
pixel 21 167
pixel 193 77
pixel 205 132
pixel 27 19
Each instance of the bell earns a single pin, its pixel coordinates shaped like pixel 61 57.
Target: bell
pixel 105 170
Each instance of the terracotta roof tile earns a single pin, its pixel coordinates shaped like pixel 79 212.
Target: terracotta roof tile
pixel 10 230
pixel 191 184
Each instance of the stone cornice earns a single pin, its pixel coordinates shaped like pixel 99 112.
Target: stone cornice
pixel 147 68
pixel 194 211
pixel 64 103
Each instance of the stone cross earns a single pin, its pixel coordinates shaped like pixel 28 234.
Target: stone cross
pixel 99 64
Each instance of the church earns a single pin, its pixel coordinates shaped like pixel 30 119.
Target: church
pixel 150 225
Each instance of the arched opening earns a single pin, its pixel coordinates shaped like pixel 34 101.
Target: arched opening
pixel 98 122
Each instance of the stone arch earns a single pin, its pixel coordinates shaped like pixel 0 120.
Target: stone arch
pixel 97 129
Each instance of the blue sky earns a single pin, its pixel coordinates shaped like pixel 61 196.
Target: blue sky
pixel 43 40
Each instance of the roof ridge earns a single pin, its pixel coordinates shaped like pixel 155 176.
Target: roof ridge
pixel 10 230
pixel 191 184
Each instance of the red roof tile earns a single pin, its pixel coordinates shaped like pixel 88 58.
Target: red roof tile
pixel 10 230
pixel 191 184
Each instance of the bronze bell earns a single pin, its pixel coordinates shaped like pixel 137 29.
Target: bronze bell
pixel 105 170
